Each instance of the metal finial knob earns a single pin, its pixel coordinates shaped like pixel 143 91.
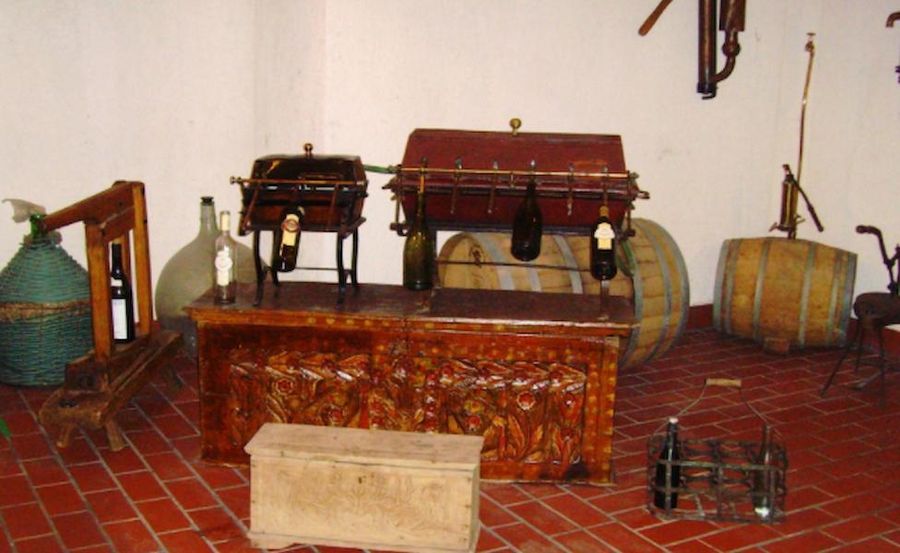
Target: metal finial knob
pixel 514 124
pixel 307 149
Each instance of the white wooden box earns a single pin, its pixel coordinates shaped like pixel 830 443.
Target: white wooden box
pixel 351 487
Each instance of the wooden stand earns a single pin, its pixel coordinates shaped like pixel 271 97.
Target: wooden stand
pixel 99 384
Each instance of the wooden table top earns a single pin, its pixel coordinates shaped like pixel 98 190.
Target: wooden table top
pixel 386 301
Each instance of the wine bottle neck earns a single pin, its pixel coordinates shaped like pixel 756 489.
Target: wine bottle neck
pixel 672 433
pixel 116 256
pixel 420 205
pixel 225 223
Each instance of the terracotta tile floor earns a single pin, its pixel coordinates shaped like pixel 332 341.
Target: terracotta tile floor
pixel 843 480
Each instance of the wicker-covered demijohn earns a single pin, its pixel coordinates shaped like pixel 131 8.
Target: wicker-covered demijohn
pixel 45 315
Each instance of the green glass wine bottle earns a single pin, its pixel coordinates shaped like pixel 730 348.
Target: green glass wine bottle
pixel 418 251
pixel 528 225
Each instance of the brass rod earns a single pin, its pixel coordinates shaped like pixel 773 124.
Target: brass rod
pixel 298 180
pixel 811 48
pixel 562 189
pixel 520 173
pixel 567 268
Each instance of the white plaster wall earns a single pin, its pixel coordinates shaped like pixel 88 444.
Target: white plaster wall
pixel 96 91
pixel 183 94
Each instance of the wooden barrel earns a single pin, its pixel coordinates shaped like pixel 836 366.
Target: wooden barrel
pixel 482 260
pixel 652 274
pixel 661 292
pixel 783 292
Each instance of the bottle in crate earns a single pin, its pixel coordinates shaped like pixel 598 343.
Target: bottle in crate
pixel 668 471
pixel 763 478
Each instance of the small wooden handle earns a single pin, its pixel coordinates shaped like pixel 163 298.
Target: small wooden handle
pixel 651 19
pixel 724 382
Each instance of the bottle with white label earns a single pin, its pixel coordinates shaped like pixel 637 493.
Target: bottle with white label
pixel 121 298
pixel 603 241
pixel 288 240
pixel 225 262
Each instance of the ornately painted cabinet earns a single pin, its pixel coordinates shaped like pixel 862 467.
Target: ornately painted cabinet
pixel 533 373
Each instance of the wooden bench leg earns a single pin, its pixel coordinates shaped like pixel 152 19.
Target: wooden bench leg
pixel 65 435
pixel 114 435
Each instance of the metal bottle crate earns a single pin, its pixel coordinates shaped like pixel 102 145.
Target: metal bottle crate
pixel 718 476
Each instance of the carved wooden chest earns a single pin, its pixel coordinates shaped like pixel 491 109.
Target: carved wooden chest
pixel 532 373
pixel 352 487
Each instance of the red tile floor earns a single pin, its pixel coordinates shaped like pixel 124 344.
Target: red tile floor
pixel 843 478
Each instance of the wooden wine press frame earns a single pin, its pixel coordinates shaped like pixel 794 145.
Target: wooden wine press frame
pixel 99 384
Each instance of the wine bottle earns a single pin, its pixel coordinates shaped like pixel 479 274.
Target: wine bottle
pixel 289 240
pixel 762 478
pixel 603 242
pixel 668 457
pixel 418 251
pixel 527 225
pixel 121 298
pixel 225 263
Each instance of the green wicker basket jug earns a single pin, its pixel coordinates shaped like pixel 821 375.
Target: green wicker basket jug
pixel 45 314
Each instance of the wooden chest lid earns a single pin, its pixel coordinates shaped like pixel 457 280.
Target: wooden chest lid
pixel 307 166
pixel 359 445
pixel 480 149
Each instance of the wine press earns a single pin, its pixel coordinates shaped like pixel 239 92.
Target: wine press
pixel 713 478
pixel 478 181
pixel 303 193
pixel 104 380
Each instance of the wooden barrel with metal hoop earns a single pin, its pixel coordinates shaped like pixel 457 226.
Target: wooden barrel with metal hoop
pixel 652 274
pixel 783 292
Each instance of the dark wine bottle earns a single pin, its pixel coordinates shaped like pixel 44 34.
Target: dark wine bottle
pixel 289 240
pixel 121 298
pixel 527 226
pixel 671 452
pixel 603 243
pixel 762 478
pixel 418 251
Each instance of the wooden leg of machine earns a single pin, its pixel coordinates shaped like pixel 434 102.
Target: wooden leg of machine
pixel 65 436
pixel 354 257
pixel 342 273
pixel 260 271
pixel 114 435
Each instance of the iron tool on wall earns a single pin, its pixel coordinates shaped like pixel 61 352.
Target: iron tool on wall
pixel 731 22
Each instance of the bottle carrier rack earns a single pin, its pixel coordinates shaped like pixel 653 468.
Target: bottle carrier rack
pixel 718 475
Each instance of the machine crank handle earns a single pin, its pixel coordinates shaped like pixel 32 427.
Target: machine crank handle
pixel 867 229
pixel 811 209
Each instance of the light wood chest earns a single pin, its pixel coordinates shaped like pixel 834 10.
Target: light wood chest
pixel 363 488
